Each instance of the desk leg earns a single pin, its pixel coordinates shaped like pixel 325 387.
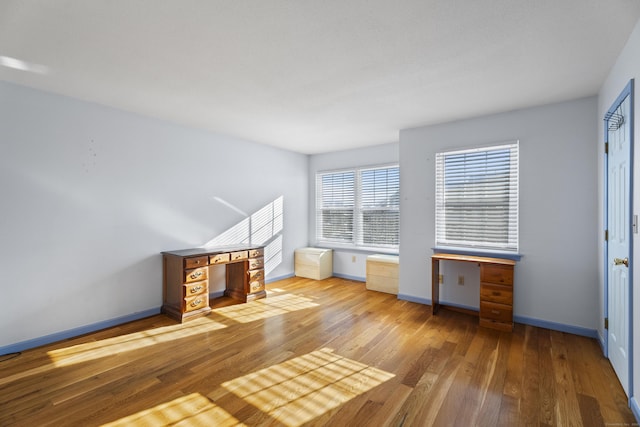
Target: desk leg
pixel 435 285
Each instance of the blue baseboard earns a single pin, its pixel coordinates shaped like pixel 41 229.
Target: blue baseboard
pixel 275 279
pixel 71 333
pixel 465 307
pixel 427 301
pixel 341 276
pixel 576 330
pixel 58 336
pixel 602 340
pixel 415 299
pixel 635 408
pixel 348 277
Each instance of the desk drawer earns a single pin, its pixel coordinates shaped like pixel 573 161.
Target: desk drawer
pixel 238 256
pixel 196 288
pixel 195 303
pixel 196 275
pixel 493 273
pixel 219 259
pixel 255 263
pixel 255 253
pixel 494 311
pixel 195 262
pixel 255 275
pixel 496 293
pixel 256 286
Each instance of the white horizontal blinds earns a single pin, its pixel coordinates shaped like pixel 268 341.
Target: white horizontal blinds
pixel 359 207
pixel 379 218
pixel 335 204
pixel 477 198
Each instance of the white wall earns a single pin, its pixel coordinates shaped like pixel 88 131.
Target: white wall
pixel 627 67
pixel 556 280
pixel 91 196
pixel 346 262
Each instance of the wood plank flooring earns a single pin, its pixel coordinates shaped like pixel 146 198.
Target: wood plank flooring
pixel 314 353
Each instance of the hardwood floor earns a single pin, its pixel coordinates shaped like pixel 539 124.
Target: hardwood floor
pixel 314 353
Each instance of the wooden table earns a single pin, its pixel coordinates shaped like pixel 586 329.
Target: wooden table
pixel 186 278
pixel 496 288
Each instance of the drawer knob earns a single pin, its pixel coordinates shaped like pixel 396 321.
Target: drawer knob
pixel 495 311
pixel 196 302
pixel 196 289
pixel 196 274
pixel 496 293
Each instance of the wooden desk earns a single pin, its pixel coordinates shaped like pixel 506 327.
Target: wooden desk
pixel 186 278
pixel 496 288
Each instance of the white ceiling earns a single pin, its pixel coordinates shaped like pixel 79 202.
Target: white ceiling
pixel 314 76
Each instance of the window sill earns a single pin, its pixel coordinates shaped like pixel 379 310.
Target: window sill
pixel 478 252
pixel 358 249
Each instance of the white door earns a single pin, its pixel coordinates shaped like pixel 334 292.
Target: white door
pixel 619 223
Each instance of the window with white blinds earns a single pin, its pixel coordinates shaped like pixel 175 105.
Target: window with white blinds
pixel 477 198
pixel 336 198
pixel 359 207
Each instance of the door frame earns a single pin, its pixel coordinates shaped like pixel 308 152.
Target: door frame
pixel 626 92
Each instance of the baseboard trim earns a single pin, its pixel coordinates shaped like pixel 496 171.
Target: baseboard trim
pixel 348 277
pixel 635 408
pixel 415 299
pixel 427 301
pixel 446 304
pixel 275 279
pixel 71 333
pixel 576 330
pixel 602 340
pixel 561 327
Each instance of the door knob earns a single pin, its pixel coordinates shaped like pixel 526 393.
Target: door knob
pixel 619 261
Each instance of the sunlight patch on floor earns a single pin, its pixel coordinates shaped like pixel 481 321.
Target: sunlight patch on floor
pixel 301 389
pixel 264 308
pixel 112 346
pixel 135 341
pixel 193 409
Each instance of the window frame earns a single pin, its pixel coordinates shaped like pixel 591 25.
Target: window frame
pixel 357 239
pixel 512 193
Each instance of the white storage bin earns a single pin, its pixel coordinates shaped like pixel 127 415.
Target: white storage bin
pixel 382 273
pixel 313 263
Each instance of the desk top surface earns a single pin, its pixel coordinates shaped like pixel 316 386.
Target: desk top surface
pixel 472 258
pixel 211 251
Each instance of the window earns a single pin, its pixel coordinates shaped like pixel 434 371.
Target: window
pixel 336 205
pixel 477 198
pixel 359 207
